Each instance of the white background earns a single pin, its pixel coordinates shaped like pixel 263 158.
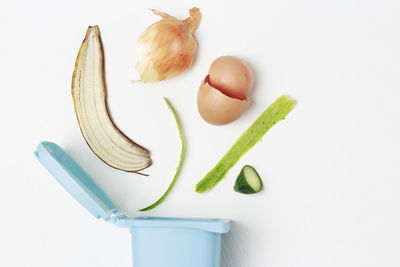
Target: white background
pixel 331 169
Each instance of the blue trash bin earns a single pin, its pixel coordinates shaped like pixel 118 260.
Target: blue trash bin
pixel 156 241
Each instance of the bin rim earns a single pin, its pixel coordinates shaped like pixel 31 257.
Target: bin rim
pixel 212 225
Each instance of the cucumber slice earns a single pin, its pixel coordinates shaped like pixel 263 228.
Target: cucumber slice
pixel 248 181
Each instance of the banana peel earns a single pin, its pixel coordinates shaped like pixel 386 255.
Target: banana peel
pixel 89 93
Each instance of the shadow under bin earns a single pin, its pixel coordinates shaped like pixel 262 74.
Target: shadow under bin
pixel 156 241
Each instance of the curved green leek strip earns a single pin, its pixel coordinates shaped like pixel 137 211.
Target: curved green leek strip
pixel 275 112
pixel 178 169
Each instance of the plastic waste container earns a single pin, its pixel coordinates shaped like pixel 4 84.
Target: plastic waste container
pixel 156 241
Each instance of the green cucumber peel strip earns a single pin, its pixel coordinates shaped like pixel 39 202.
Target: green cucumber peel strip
pixel 178 169
pixel 276 112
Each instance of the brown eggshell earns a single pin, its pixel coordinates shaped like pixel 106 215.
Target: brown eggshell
pixel 217 108
pixel 232 76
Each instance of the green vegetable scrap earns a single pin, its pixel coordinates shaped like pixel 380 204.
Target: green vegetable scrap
pixel 273 114
pixel 248 181
pixel 178 169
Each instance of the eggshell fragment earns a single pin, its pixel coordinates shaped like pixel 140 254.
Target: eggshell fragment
pixel 217 108
pixel 232 76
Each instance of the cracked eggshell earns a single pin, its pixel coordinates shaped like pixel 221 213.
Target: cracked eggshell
pixel 232 76
pixel 217 108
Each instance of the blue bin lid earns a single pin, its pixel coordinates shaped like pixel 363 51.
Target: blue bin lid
pixel 76 181
pixel 79 184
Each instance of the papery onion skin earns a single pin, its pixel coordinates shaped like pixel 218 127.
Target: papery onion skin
pixel 168 47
